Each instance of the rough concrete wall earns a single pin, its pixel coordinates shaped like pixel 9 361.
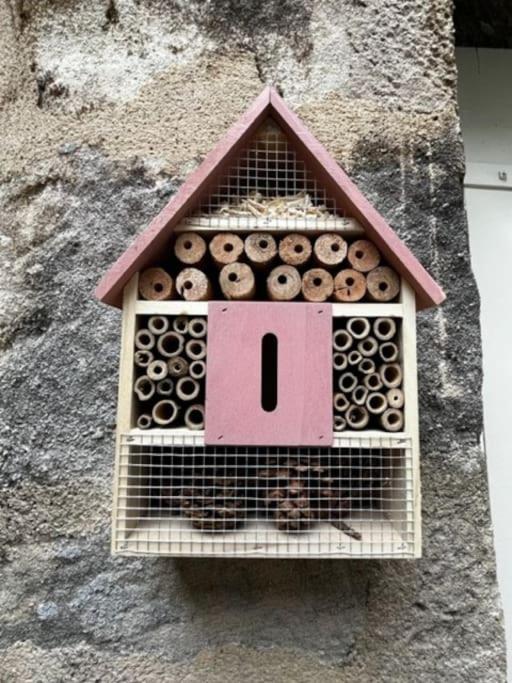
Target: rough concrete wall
pixel 105 107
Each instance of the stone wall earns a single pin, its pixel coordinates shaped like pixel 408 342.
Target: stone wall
pixel 105 106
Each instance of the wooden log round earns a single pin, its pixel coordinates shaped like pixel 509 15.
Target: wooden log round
pixel 392 420
pixel 195 349
pixel 260 249
pixel 178 366
pixel 157 370
pixel 339 423
pixel 317 285
pixel 284 283
pixel 368 347
pixel 197 369
pixel 359 328
pixel 165 387
pixel 341 402
pixel 165 412
pixel 342 340
pixel 158 324
pixel 330 249
pixel 366 366
pixel 357 417
pixel 190 248
pixel 180 324
pixel 347 382
pixel 144 421
pixel 144 339
pixel 226 247
pixel 197 328
pixel 359 395
pixel 349 286
pixel 388 351
pixel 354 357
pixel 170 344
pixel 237 282
pixel 156 285
pixel 143 358
pixel 372 381
pixel 395 398
pixel 144 388
pixel 187 388
pixel 363 256
pixel 194 416
pixel 295 249
pixel 383 284
pixel 193 285
pixel 384 328
pixel 376 403
pixel 339 361
pixel 391 375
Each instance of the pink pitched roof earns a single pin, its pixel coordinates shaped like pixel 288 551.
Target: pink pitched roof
pixel 147 246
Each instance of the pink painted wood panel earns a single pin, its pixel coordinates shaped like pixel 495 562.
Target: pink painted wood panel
pixel 234 414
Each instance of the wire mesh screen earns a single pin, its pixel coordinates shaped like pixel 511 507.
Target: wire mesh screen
pixel 268 182
pixel 355 499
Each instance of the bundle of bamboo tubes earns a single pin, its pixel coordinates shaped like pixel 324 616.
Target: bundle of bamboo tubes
pixel 259 265
pixel 170 364
pixel 367 375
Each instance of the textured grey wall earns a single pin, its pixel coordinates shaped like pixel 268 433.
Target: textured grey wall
pixel 105 107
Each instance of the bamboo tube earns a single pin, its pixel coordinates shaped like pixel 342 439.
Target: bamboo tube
pixel 197 328
pixel 357 417
pixel 144 388
pixel 395 398
pixel 237 282
pixel 170 344
pixel 295 249
pixel 339 423
pixel 347 382
pixel 391 375
pixel 284 283
pixel 392 420
pixel 178 366
pixel 342 340
pixel 354 357
pixel 383 284
pixel 368 347
pixel 330 249
pixel 349 286
pixel 226 247
pixel 197 369
pixel 339 361
pixel 190 248
pixel 193 285
pixel 195 349
pixel 384 328
pixel 363 256
pixel 144 421
pixel 143 358
pixel 157 370
pixel 158 324
pixel 180 324
pixel 366 366
pixel 155 284
pixel 165 387
pixel 359 395
pixel 372 381
pixel 187 388
pixel 194 416
pixel 260 249
pixel 144 340
pixel 359 328
pixel 165 412
pixel 388 352
pixel 317 285
pixel 376 403
pixel 340 402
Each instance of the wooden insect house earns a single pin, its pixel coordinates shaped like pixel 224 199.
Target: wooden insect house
pixel 268 396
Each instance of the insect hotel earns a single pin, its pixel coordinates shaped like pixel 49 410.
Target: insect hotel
pixel 268 396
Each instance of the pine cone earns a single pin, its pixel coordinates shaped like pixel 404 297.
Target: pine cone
pixel 213 501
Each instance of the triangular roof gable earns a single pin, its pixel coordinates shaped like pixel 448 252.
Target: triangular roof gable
pixel 336 181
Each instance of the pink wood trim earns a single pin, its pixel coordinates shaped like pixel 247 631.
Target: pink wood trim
pixel 396 252
pixel 147 245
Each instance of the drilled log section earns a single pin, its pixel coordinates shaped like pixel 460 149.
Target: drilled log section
pixel 388 351
pixel 143 358
pixel 193 285
pixel 194 416
pixel 384 328
pixel 359 395
pixel 349 286
pixel 197 369
pixel 342 340
pixel 357 417
pixel 195 349
pixel 330 249
pixel 376 403
pixel 340 402
pixel 260 249
pixel 383 284
pixel 190 248
pixel 158 324
pixel 197 328
pixel 373 381
pixel 284 283
pixel 144 388
pixel 354 357
pixel 392 420
pixel 368 347
pixel 144 339
pixel 144 421
pixel 339 423
pixel 155 284
pixel 347 382
pixel 317 285
pixel 237 282
pixel 366 366
pixel 295 250
pixel 395 398
pixel 180 324
pixel 157 370
pixel 226 247
pixel 178 366
pixel 170 344
pixel 363 256
pixel 165 412
pixel 339 361
pixel 165 387
pixel 359 328
pixel 187 388
pixel 391 375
